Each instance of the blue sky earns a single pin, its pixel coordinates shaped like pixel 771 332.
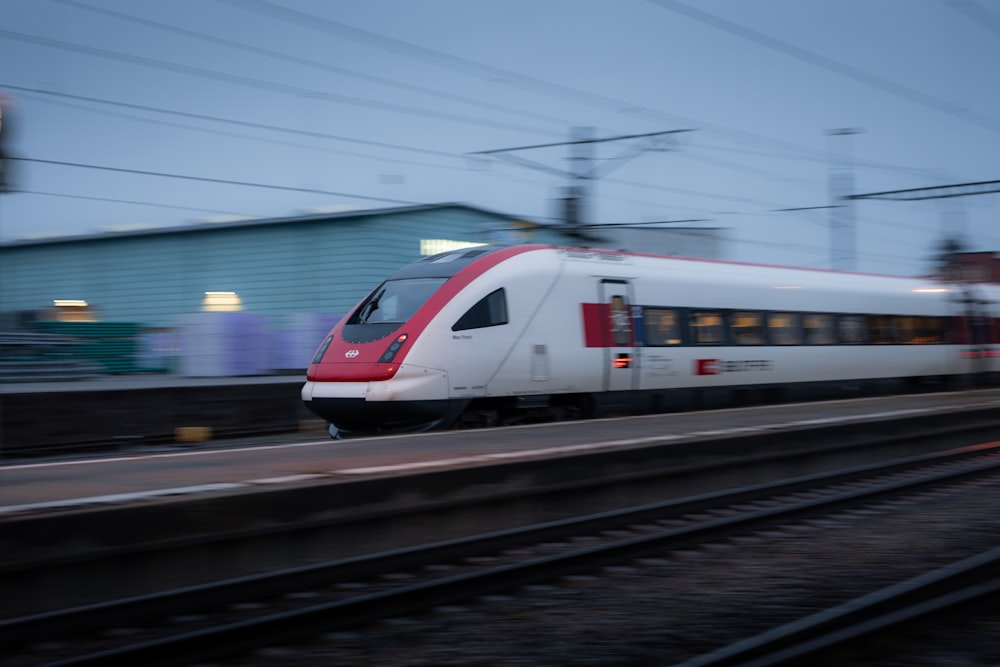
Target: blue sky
pixel 381 103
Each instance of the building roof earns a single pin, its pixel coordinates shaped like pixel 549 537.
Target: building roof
pixel 259 222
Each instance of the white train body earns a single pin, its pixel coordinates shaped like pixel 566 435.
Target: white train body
pixel 502 334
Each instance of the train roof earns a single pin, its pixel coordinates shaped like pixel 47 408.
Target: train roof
pixel 447 264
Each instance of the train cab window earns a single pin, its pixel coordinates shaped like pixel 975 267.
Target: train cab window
pixel 882 329
pixel 784 328
pixel 852 329
pixel 819 329
pixel 395 301
pixel 490 311
pixel 747 328
pixel 706 327
pixel 661 327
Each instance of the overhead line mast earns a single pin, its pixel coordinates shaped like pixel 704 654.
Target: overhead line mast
pixel 581 171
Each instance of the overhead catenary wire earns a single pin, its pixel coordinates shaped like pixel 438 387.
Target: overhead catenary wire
pixel 829 64
pixel 645 186
pixel 262 84
pixel 221 181
pixel 375 144
pixel 352 33
pixel 500 75
pixel 277 55
pixel 231 121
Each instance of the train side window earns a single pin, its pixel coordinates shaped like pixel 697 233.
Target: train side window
pixel 881 329
pixel 852 329
pixel 747 327
pixel 784 328
pixel 906 329
pixel 958 332
pixel 490 311
pixel 819 329
pixel 981 332
pixel 925 330
pixel 920 330
pixel 935 329
pixel 706 327
pixel 661 326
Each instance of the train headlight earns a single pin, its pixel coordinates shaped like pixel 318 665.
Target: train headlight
pixel 318 357
pixel 390 352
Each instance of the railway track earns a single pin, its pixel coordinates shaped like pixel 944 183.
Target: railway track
pixel 321 598
pixel 960 583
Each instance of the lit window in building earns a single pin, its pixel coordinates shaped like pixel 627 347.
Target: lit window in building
pixel 435 246
pixel 72 310
pixel 221 302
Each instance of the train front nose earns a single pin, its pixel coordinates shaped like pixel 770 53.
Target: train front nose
pixel 413 398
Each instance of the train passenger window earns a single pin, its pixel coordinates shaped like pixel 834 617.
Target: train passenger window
pixel 784 328
pixel 906 328
pixel 661 326
pixel 819 329
pixel 852 329
pixel 922 330
pixel 747 328
pixel 706 327
pixel 935 329
pixel 490 311
pixel 881 329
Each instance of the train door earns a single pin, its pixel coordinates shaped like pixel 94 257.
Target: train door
pixel 621 363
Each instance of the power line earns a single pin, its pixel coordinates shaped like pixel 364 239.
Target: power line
pixel 497 74
pixel 232 121
pixel 363 142
pixel 625 137
pixel 831 65
pixel 287 15
pixel 222 181
pixel 126 201
pixel 979 14
pixel 310 63
pixel 261 84
pixel 936 192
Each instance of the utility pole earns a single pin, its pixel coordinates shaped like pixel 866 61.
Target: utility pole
pixel 581 172
pixel 579 191
pixel 6 140
pixel 843 233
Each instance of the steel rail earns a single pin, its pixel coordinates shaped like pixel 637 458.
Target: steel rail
pixel 953 585
pixel 276 628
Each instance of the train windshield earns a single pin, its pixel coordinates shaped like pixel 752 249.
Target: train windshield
pixel 395 301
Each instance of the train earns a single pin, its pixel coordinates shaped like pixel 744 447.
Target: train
pixel 497 335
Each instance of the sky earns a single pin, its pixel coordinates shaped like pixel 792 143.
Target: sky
pixel 127 114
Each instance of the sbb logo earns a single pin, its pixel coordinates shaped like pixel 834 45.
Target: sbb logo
pixel 350 354
pixel 707 366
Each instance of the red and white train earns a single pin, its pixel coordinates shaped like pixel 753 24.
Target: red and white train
pixel 499 335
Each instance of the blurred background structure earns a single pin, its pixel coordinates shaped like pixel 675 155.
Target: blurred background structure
pixel 242 298
pixel 256 166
